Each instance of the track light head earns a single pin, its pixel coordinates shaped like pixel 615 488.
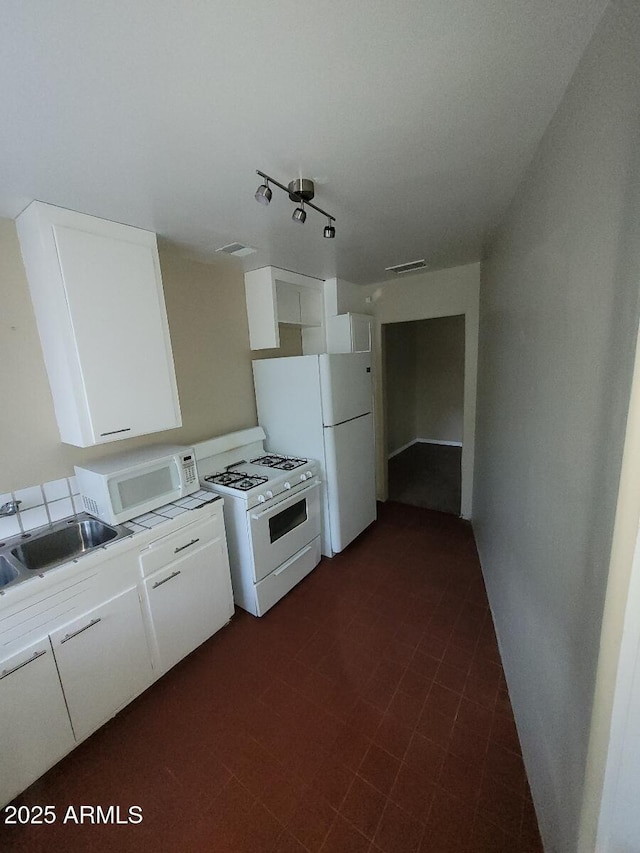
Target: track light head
pixel 299 214
pixel 263 194
pixel 329 230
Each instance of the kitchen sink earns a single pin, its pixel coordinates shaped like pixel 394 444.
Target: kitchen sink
pixel 8 573
pixel 23 556
pixel 57 546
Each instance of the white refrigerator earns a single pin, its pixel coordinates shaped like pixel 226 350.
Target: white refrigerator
pixel 320 407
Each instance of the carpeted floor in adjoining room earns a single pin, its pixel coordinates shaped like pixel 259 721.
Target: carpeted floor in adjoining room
pixel 366 712
pixel 427 475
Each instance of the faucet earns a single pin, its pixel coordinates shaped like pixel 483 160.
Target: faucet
pixel 10 508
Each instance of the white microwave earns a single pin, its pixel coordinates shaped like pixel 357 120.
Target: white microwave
pixel 130 484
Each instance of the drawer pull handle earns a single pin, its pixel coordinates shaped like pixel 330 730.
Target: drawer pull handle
pixel 34 656
pixel 169 578
pixel 68 637
pixel 188 545
pixel 291 561
pixel 116 431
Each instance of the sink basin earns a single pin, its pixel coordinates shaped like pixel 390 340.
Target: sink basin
pixel 8 573
pixel 52 547
pixel 30 554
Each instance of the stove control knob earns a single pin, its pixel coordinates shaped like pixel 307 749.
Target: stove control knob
pixel 269 493
pixel 303 476
pixel 287 486
pixel 261 499
pixel 309 475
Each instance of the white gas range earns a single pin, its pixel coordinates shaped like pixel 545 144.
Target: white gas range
pixel 271 512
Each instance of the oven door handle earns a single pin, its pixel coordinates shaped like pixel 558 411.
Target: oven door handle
pixel 292 560
pixel 270 509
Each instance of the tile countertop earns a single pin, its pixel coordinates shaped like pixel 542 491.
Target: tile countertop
pixel 149 523
pixel 152 519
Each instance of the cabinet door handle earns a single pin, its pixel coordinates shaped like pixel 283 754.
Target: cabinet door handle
pixel 116 431
pixel 34 656
pixel 68 637
pixel 188 545
pixel 168 578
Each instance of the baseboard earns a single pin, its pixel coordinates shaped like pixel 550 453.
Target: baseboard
pixel 423 441
pixel 400 449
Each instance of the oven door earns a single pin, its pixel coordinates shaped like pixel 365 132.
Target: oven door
pixel 283 528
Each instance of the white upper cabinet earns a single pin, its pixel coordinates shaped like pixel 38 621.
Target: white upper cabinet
pixel 278 296
pixel 349 333
pixel 97 294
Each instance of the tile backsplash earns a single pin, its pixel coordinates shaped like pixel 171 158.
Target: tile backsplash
pixel 40 505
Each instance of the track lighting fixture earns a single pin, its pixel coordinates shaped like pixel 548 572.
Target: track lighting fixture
pixel 301 191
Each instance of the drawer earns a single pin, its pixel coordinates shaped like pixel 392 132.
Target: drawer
pixel 279 582
pixel 168 548
pixel 38 614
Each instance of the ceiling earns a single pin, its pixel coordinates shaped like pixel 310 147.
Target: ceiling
pixel 416 119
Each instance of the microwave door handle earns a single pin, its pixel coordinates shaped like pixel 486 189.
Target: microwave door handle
pixel 295 496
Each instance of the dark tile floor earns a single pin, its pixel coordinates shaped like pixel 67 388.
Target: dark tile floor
pixel 367 711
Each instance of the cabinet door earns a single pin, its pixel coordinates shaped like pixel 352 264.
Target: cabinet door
pixel 262 313
pixel 360 333
pixel 116 305
pixel 188 601
pixel 349 333
pixel 103 660
pixel 36 731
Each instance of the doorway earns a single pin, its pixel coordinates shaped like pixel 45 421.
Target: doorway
pixel 424 366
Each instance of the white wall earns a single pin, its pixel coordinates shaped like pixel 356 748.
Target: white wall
pixel 559 311
pixel 610 811
pixel 343 297
pixel 442 293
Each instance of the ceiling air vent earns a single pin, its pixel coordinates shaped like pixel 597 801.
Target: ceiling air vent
pixel 238 250
pixel 409 267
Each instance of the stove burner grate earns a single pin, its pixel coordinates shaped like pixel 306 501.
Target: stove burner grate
pixel 290 464
pixel 284 463
pixel 236 480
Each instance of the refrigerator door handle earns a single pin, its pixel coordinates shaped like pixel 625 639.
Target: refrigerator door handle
pixel 355 418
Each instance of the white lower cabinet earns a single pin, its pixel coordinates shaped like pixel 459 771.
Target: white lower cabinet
pixel 190 597
pixel 103 661
pixel 35 725
pixel 132 617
